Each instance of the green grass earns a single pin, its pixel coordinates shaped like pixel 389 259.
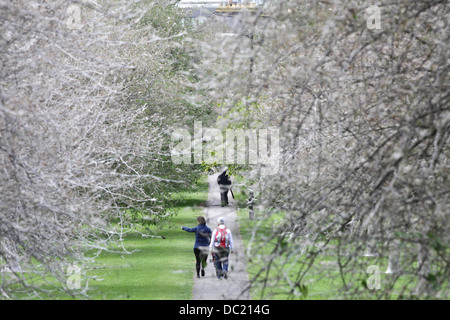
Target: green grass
pixel 320 286
pixel 157 269
pixel 161 269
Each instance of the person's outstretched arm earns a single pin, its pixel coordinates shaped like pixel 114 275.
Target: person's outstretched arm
pixel 194 229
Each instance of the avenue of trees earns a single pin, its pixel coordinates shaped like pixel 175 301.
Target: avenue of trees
pixel 91 91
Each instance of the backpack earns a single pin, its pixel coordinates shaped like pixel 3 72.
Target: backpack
pixel 222 237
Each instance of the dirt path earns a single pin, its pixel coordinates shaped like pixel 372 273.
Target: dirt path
pixel 235 287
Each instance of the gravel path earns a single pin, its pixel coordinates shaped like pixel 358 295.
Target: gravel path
pixel 236 286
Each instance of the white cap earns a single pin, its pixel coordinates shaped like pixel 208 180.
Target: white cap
pixel 221 220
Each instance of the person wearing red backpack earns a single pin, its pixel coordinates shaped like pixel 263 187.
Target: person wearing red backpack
pixel 221 246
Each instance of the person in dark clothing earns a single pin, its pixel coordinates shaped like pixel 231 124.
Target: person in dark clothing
pixel 224 182
pixel 201 245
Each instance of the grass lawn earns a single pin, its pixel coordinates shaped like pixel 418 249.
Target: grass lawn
pixel 158 269
pixel 324 286
pixel 162 269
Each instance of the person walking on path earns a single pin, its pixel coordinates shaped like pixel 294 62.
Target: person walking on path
pixel 224 182
pixel 221 246
pixel 238 284
pixel 202 241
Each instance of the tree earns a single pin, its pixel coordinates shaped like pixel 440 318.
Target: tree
pixel 82 150
pixel 364 124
